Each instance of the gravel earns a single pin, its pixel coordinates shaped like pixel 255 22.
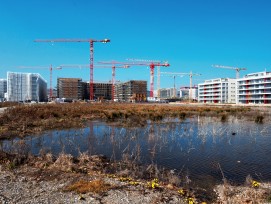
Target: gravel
pixel 23 185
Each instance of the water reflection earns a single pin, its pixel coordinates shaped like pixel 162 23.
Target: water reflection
pixel 195 147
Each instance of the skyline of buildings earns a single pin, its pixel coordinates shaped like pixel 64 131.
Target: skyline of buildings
pixel 254 88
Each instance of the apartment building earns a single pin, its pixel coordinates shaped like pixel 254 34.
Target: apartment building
pixel 69 88
pixel 26 87
pixel 168 93
pixel 101 90
pixel 254 88
pixel 186 93
pixel 134 90
pixel 3 89
pixel 221 90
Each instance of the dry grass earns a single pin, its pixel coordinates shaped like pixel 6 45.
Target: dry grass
pixel 242 194
pixel 26 120
pixel 95 186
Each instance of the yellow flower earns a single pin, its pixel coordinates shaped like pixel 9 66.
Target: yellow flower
pixel 153 184
pixel 125 179
pixel 135 183
pixel 181 191
pixel 191 201
pixel 255 184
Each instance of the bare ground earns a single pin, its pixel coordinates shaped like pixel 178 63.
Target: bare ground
pixel 31 185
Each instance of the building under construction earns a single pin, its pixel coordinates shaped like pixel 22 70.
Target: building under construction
pixel 131 91
pixel 69 88
pixel 101 90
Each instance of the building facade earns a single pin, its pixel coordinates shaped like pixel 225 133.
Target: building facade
pixel 185 93
pixel 26 87
pixel 221 90
pixel 69 88
pixel 134 90
pixel 3 89
pixel 168 93
pixel 254 88
pixel 101 90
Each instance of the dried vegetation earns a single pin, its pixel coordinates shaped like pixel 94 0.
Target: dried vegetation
pixel 19 121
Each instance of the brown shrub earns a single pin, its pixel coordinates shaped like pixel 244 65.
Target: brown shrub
pixel 96 186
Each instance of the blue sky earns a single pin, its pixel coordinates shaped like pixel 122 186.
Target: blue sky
pixel 190 34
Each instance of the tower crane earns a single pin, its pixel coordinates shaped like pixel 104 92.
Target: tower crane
pixel 150 63
pixel 100 66
pixel 228 67
pixel 190 74
pixel 91 42
pixel 51 74
pixel 174 77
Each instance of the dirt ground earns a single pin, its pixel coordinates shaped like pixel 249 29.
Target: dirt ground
pixel 31 185
pixel 66 180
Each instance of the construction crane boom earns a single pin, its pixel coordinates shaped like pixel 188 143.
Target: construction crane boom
pixel 91 42
pixel 151 64
pixel 228 67
pixel 51 74
pixel 100 66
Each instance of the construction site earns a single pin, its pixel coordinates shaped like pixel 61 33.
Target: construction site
pixel 32 87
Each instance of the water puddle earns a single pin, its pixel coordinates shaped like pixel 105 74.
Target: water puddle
pixel 199 148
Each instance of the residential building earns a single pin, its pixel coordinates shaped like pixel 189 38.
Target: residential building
pixel 254 88
pixel 168 93
pixel 134 90
pixel 221 90
pixel 185 93
pixel 3 89
pixel 69 88
pixel 101 90
pixel 26 87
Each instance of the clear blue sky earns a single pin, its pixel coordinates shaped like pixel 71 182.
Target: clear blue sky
pixel 190 34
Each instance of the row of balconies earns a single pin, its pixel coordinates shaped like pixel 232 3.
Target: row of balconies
pixel 254 98
pixel 255 92
pixel 254 88
pixel 254 82
pixel 213 89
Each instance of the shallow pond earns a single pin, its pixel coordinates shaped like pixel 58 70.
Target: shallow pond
pixel 200 148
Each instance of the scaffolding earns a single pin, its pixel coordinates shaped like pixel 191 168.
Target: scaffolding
pixel 133 90
pixel 26 87
pixel 69 88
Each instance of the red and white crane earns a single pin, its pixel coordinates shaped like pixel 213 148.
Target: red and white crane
pixel 51 74
pixel 100 66
pixel 228 67
pixel 150 63
pixel 91 42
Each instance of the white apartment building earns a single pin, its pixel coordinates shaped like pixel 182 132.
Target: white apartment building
pixel 168 93
pixel 221 90
pixel 254 88
pixel 26 87
pixel 185 92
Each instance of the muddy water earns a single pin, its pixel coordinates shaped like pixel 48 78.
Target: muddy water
pixel 200 148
